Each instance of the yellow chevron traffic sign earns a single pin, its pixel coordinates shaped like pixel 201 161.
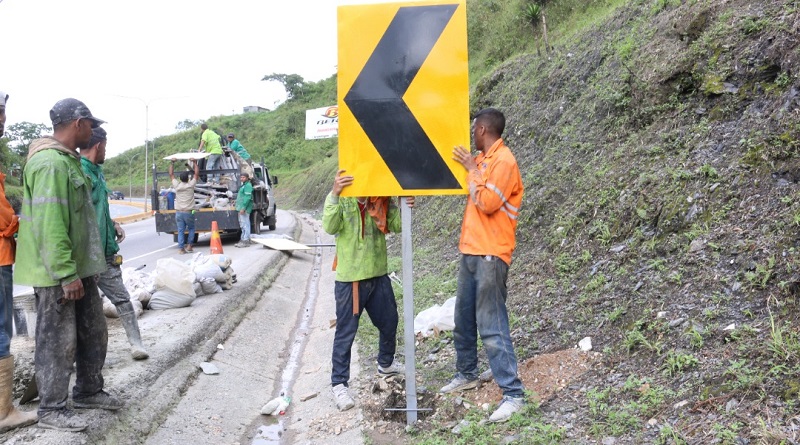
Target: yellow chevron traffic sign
pixel 403 91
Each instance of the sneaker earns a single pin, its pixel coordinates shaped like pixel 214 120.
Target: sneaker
pixel 189 248
pixel 342 397
pixel 242 244
pixel 486 376
pixel 459 383
pixel 397 367
pixel 101 400
pixel 507 408
pixel 181 251
pixel 61 420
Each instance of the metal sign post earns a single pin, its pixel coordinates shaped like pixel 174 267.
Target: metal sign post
pixel 408 314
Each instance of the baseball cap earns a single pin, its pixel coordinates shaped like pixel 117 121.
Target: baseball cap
pixel 3 98
pixel 69 109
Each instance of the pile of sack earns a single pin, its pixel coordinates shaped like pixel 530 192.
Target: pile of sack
pixel 174 283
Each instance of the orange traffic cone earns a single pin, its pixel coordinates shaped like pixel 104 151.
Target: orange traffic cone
pixel 216 242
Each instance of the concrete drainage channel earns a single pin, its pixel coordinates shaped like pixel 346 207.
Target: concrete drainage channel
pixel 271 433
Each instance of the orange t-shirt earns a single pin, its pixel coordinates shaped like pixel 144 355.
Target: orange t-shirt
pixel 9 224
pixel 495 196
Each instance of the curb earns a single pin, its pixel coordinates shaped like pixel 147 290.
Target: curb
pixel 132 218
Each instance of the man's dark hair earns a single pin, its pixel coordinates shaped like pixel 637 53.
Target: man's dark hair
pixel 493 119
pixel 184 176
pixel 204 127
pixel 98 135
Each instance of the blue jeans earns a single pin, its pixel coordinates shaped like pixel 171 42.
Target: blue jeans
pixel 185 221
pixel 481 308
pixel 6 310
pixel 244 224
pixel 377 297
pixel 212 163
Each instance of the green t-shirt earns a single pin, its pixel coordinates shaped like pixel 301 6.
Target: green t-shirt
pixel 244 198
pixel 211 140
pixel 239 149
pixel 108 235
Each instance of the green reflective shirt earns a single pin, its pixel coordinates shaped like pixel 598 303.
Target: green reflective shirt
pixel 357 257
pixel 244 198
pixel 58 238
pixel 212 144
pixel 239 149
pixel 108 235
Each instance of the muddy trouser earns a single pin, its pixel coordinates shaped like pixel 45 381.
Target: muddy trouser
pixel 110 282
pixel 6 310
pixel 74 331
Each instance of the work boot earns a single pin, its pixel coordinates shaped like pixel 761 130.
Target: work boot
pixel 134 337
pixel 101 400
pixel 62 420
pixel 181 251
pixel 189 248
pixel 10 417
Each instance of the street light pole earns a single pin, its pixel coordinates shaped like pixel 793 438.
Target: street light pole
pixel 147 134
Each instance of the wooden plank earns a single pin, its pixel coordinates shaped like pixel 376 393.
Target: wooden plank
pixel 187 156
pixel 280 244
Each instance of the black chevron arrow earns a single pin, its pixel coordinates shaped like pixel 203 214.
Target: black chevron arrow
pixel 376 98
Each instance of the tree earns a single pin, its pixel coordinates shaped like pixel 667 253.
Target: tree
pixel 23 134
pixel 292 83
pixel 187 124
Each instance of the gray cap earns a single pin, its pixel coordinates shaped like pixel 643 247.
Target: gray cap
pixel 3 98
pixel 70 109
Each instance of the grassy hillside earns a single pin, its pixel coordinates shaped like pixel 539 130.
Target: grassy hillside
pixel 658 143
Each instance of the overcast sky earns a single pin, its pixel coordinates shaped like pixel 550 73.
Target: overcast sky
pixel 188 59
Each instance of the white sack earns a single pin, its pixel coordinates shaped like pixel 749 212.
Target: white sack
pixel 175 276
pixel 168 299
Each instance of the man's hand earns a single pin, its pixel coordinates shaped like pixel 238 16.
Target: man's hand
pixel 410 201
pixel 173 160
pixel 73 291
pixel 463 157
pixel 340 182
pixel 120 232
pixel 241 212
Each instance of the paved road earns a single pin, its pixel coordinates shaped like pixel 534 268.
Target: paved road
pixel 177 340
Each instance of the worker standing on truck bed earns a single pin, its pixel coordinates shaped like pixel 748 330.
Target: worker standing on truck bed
pixel 184 204
pixel 244 205
pixel 209 143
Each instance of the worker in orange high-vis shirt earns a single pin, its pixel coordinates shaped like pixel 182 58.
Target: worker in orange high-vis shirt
pixel 487 242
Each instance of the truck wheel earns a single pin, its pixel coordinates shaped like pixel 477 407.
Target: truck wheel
pixel 271 222
pixel 255 223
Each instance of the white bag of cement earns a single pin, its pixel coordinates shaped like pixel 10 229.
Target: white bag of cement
pixel 110 311
pixel 140 295
pixel 209 286
pixel 436 317
pixel 175 276
pixel 169 299
pixel 222 203
pixel 221 260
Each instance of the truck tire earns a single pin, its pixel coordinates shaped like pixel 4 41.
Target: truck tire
pixel 271 222
pixel 255 223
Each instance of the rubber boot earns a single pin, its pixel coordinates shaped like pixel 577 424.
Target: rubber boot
pixel 10 417
pixel 134 337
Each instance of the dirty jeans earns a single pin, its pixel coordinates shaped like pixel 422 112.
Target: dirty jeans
pixel 213 163
pixel 244 224
pixel 6 310
pixel 481 308
pixel 73 331
pixel 110 282
pixel 377 297
pixel 185 221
